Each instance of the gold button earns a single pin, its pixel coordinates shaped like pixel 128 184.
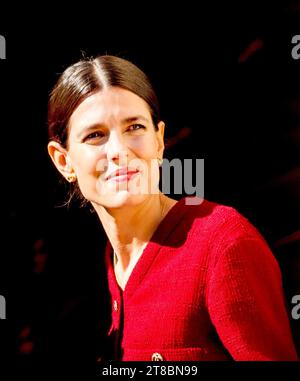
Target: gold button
pixel 115 305
pixel 157 357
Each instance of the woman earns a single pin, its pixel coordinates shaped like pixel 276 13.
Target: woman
pixel 187 282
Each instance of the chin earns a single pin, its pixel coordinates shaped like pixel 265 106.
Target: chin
pixel 120 199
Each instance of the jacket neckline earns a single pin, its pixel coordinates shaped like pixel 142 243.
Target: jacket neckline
pixel 152 249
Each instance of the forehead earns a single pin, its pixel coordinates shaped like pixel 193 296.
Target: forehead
pixel 107 106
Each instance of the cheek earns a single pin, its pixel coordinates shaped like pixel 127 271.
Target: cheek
pixel 145 147
pixel 85 161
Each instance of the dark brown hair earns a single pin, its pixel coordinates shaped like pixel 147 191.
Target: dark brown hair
pixel 87 77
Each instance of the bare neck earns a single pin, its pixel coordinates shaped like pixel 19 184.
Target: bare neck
pixel 130 228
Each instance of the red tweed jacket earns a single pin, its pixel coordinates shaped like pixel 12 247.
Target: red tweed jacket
pixel 206 287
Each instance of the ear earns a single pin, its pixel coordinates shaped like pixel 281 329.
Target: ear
pixel 160 139
pixel 60 158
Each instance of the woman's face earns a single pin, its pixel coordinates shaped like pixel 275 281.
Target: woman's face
pixel 109 131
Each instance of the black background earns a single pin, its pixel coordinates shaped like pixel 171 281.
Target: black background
pixel 240 114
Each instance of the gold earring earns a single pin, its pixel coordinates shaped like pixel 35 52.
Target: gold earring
pixel 71 178
pixel 160 161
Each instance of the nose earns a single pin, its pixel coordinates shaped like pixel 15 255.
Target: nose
pixel 115 147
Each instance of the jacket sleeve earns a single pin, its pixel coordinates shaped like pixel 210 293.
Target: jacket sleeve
pixel 246 303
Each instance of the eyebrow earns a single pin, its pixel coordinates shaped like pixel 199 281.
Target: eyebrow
pixel 94 126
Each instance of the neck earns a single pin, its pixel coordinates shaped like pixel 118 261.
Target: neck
pixel 129 228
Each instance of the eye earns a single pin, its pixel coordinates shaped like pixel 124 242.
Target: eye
pixel 136 127
pixel 94 135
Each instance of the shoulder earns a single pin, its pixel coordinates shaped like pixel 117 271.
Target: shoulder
pixel 221 229
pixel 221 221
pixel 229 235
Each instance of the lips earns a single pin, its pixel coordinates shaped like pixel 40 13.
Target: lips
pixel 122 172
